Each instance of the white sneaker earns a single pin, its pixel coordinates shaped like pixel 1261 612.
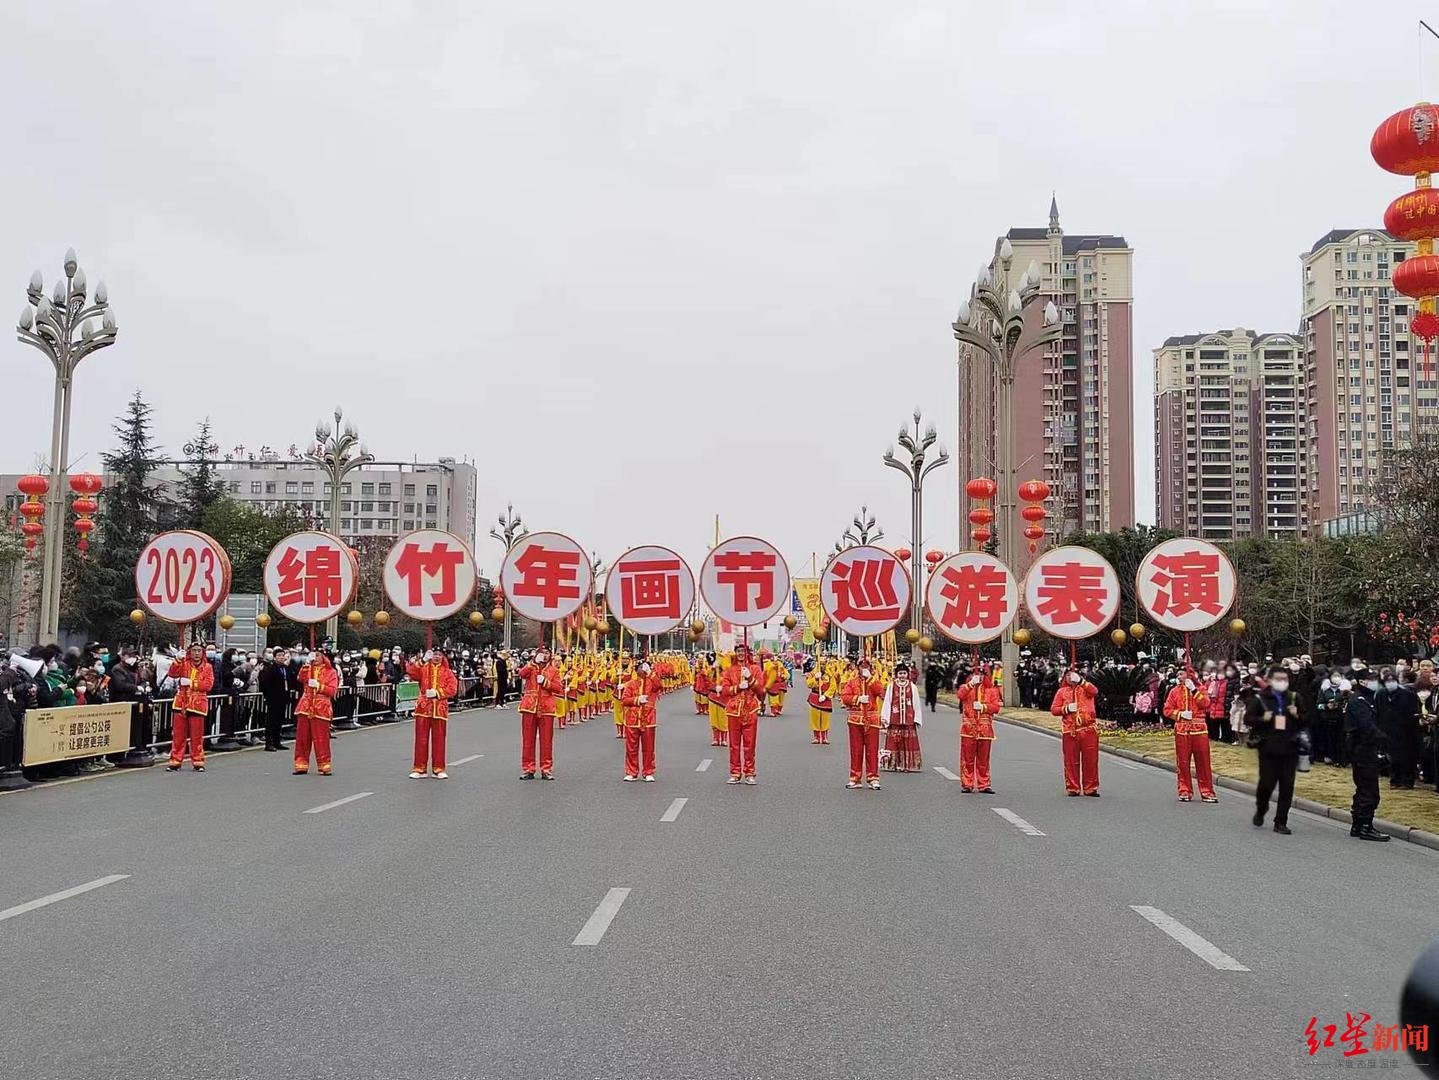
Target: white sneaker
pixel 629 779
pixel 649 779
pixel 733 780
pixel 417 775
pixel 874 784
pixel 442 775
pixel 751 781
pixel 852 784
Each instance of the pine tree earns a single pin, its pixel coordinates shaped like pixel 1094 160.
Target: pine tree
pixel 200 486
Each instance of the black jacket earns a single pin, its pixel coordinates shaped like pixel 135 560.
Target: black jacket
pixel 1362 734
pixel 1260 715
pixel 1397 712
pixel 277 683
pixel 123 684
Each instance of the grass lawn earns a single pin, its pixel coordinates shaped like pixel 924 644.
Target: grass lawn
pixel 1326 784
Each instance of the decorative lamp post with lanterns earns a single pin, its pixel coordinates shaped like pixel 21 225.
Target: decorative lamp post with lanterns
pixel 915 469
pixel 338 453
pixel 508 529
pixel 64 327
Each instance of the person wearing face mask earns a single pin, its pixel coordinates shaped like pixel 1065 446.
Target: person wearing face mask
pixel 1365 740
pixel 742 690
pixel 1329 711
pixel 541 683
pixel 194 678
pixel 638 698
pixel 432 712
pixel 318 683
pixel 1187 708
pixel 862 695
pixel 1275 727
pixel 1397 710
pixel 1429 722
pixel 1074 705
pixel 277 684
pixel 979 702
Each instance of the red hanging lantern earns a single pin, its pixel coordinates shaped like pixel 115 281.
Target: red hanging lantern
pixel 1034 491
pixel 84 506
pixel 84 526
pixel 980 535
pixel 1407 143
pixel 32 530
pixel 86 483
pixel 981 487
pixel 1034 513
pixel 981 515
pixel 33 485
pixel 902 554
pixel 933 557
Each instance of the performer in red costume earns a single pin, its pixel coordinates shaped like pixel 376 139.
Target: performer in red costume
pixel 862 694
pixel 742 691
pixel 639 696
pixel 1074 705
pixel 194 678
pixel 542 683
pixel 319 683
pixel 979 701
pixel 1188 708
pixel 432 711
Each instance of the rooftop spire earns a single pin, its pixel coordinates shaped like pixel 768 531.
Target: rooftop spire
pixel 1054 214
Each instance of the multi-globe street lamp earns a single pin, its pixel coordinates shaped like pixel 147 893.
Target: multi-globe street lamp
pixel 861 531
pixel 509 529
pixel 62 326
pixel 916 469
pixel 338 453
pixel 995 323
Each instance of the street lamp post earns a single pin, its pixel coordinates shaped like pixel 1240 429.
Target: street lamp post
pixel 860 532
pixel 508 529
pixel 1004 337
pixel 338 453
pixel 62 327
pixel 915 469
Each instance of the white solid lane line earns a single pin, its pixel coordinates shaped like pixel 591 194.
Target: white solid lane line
pixel 1201 948
pixel 63 894
pixel 467 760
pixel 945 773
pixel 705 764
pixel 338 802
pixel 599 922
pixel 674 810
pixel 1017 821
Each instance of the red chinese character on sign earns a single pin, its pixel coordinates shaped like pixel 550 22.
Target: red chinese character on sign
pixel 864 591
pixel 1188 581
pixel 649 588
pixel 415 565
pixel 1072 592
pixel 740 570
pixel 974 597
pixel 549 574
pixel 311 580
pixel 1311 1034
pixel 1416 1038
pixel 1354 1033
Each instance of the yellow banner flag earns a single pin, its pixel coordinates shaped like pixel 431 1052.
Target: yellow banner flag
pixel 807 589
pixel 889 646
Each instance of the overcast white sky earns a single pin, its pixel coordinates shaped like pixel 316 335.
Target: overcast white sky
pixel 648 261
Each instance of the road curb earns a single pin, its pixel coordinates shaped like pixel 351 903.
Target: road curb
pixel 1334 813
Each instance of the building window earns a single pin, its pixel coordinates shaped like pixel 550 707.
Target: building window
pixel 367 508
pixel 432 491
pixel 366 524
pixel 292 487
pixel 347 525
pixel 385 489
pixel 307 488
pixel 256 487
pixel 270 487
pixel 409 489
pixel 409 508
pixel 430 508
pixel 367 489
pixel 344 489
pixel 347 506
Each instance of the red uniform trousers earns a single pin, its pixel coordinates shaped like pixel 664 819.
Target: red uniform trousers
pixel 863 752
pixel 974 762
pixel 639 743
pixel 188 726
pixel 532 725
pixel 312 730
pixel 430 742
pixel 1081 760
pixel 742 734
pixel 1196 746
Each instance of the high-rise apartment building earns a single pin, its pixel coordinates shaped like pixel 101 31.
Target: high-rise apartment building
pixel 1365 389
pixel 1073 402
pixel 1230 451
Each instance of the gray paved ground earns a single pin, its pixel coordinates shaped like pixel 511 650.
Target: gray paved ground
pixel 793 930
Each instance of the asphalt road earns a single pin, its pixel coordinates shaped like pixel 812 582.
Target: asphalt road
pixel 791 930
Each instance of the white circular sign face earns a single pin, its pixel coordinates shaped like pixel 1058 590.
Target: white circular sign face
pixel 1186 584
pixel 182 576
pixel 865 591
pixel 311 576
pixel 650 589
pixel 429 574
pixel 971 597
pixel 745 581
pixel 546 576
pixel 1071 592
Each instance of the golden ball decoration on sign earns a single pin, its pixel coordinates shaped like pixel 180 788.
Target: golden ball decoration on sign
pixel 382 618
pixel 1237 627
pixel 1118 636
pixel 604 627
pixel 790 622
pixel 354 618
pixel 590 623
pixel 477 619
pixel 821 631
pixel 698 626
pixel 1021 637
pixel 911 635
pixel 227 622
pixel 498 614
pixel 1137 631
pixel 263 620
pixel 925 644
pixel 137 616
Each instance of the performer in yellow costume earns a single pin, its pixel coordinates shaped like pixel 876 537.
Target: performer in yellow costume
pixel 822 679
pixel 719 722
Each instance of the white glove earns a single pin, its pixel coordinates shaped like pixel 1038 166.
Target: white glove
pixel 979 706
pixel 431 693
pixel 313 684
pixel 863 699
pixel 183 681
pixel 1072 707
pixel 540 680
pixel 644 699
pixel 239 682
pixel 1186 715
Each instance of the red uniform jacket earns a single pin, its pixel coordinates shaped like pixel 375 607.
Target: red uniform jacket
pixel 318 702
pixel 438 677
pixel 1195 702
pixel 742 704
pixel 1083 695
pixel 541 684
pixel 702 681
pixel 192 698
pixel 979 723
pixel 867 712
pixel 635 714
